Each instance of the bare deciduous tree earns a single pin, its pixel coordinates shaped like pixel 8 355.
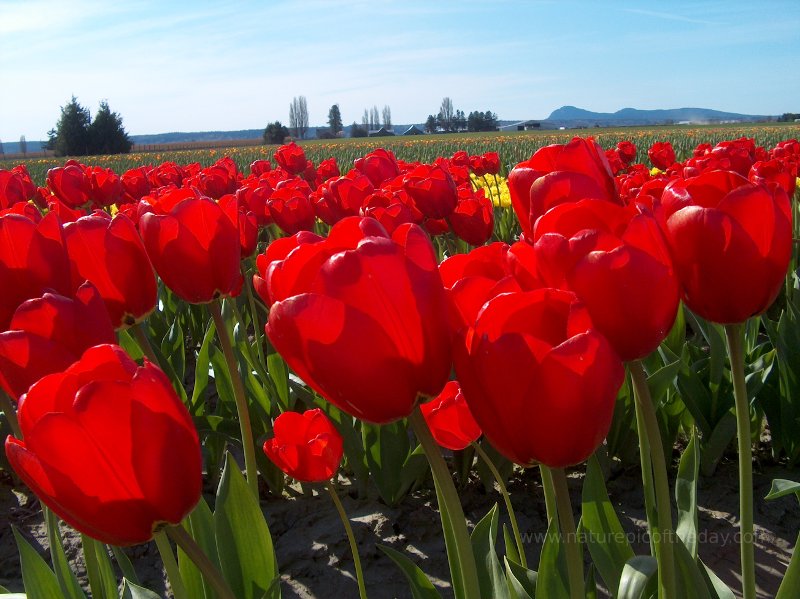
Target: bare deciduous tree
pixel 447 115
pixel 298 116
pixel 387 117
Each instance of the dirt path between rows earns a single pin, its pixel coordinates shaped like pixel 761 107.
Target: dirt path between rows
pixel 314 556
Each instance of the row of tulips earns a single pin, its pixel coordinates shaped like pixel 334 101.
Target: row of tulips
pixel 366 313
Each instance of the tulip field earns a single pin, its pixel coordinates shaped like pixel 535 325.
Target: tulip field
pixel 511 366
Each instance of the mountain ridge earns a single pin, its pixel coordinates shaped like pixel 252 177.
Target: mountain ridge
pixel 647 117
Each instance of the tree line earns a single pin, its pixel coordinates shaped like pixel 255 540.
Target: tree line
pixel 447 120
pixel 77 134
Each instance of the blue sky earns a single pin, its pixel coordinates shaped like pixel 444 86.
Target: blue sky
pixel 200 66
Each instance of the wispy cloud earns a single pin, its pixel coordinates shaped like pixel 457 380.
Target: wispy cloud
pixel 669 16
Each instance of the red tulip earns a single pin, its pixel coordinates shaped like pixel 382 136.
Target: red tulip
pixel 661 155
pixel 70 185
pixel 449 419
pixel 109 253
pixel 473 218
pixel 306 446
pixel 557 174
pixel 328 169
pixel 195 249
pixel 259 167
pixel 627 152
pixel 26 209
pixel 47 334
pixel 473 279
pixel 290 206
pixel 774 172
pixel 135 184
pixel 731 242
pixel 105 186
pixel 391 209
pixel 539 380
pixel 13 189
pixel 330 295
pixel 247 222
pixel 32 261
pixel 109 447
pixel 432 189
pixel 616 261
pixel 491 163
pixel 291 158
pixel 167 173
pixel 379 165
pixel 341 197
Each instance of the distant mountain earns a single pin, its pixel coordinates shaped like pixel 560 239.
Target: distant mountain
pixel 573 116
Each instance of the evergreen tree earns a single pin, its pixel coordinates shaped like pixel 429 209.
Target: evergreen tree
pixel 358 131
pixel 106 133
pixel 275 133
pixel 71 134
pixel 335 119
pixel 23 145
pixel 430 124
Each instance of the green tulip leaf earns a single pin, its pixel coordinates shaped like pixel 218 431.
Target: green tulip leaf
pixel 721 437
pixel 790 586
pixel 639 576
pixel 124 563
pixel 279 373
pixel 131 590
pixel 39 580
pixel 201 377
pixel 551 581
pixel 387 449
pixel 605 537
pixel 591 583
pixel 510 545
pixel 200 526
pixel 246 554
pixel 782 487
pixel 521 580
pixel 173 350
pixel 128 343
pixel 686 496
pixel 102 581
pixel 420 585
pixel 689 578
pixel 717 588
pixel 66 577
pixel 490 573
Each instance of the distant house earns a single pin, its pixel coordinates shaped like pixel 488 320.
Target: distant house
pixel 382 132
pixel 413 130
pixel 522 126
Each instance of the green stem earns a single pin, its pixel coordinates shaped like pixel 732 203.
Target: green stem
pixel 665 536
pixel 647 480
pixel 509 508
pixel 549 492
pixel 239 396
pixel 733 335
pixel 569 535
pixel 362 591
pixel 257 330
pixel 462 564
pixel 200 559
pixel 170 565
pixel 144 343
pixel 7 408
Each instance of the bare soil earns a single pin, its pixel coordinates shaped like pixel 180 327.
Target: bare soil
pixel 314 556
